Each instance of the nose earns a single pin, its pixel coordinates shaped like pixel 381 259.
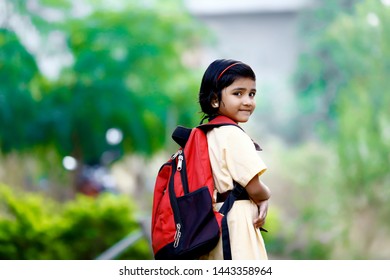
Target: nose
pixel 247 101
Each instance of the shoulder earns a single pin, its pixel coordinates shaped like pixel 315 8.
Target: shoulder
pixel 230 131
pixel 229 134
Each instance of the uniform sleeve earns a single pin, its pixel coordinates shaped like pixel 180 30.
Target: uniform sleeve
pixel 242 159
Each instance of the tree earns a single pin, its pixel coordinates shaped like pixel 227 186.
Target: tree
pixel 362 43
pixel 350 82
pixel 19 74
pixel 121 78
pixel 128 73
pixel 318 78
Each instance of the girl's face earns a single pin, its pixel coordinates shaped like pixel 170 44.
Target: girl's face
pixel 238 100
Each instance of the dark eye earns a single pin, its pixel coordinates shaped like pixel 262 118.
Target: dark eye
pixel 252 94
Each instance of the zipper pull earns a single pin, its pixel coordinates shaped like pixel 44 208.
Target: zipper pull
pixel 177 236
pixel 180 162
pixel 176 154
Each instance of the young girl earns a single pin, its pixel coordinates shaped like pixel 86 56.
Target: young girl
pixel 228 88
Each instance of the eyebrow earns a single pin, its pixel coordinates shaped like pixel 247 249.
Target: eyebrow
pixel 242 88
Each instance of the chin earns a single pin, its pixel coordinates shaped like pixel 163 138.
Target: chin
pixel 242 120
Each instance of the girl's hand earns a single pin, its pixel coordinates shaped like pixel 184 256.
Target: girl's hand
pixel 263 210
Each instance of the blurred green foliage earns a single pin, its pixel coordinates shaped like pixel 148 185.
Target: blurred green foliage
pixel 310 225
pixel 33 226
pixel 18 73
pixel 343 86
pixel 129 71
pixel 363 139
pixel 317 77
pixel 361 45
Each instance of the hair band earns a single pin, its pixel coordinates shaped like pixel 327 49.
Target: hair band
pixel 220 75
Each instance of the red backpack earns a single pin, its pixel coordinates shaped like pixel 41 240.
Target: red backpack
pixel 184 223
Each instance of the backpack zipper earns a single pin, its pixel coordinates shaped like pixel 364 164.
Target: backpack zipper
pixel 180 159
pixel 175 206
pixel 179 152
pixel 177 236
pixel 180 167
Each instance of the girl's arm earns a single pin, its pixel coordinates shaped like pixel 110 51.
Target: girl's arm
pixel 259 193
pixel 257 190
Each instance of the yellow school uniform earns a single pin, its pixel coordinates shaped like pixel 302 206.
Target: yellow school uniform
pixel 233 157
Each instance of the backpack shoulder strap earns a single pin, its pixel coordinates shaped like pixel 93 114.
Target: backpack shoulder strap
pixel 181 134
pixel 217 122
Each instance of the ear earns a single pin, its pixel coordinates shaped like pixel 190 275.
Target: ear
pixel 214 101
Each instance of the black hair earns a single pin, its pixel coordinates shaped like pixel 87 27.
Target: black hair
pixel 221 73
